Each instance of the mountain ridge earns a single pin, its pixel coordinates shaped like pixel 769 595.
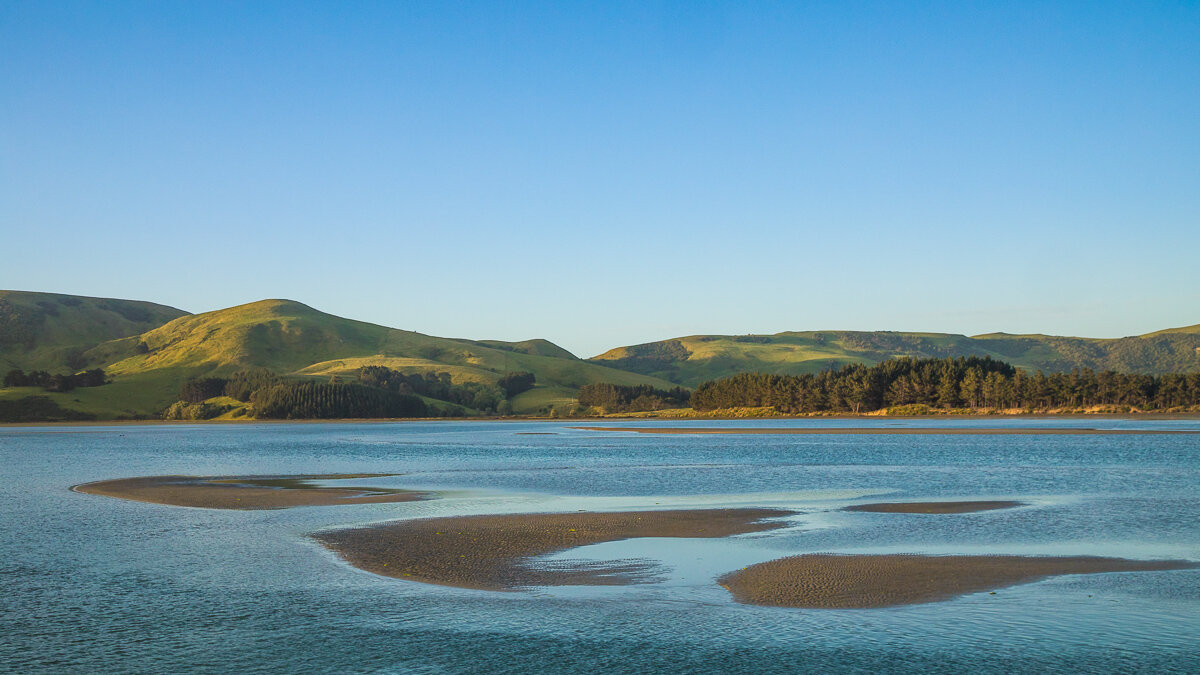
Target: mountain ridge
pixel 692 359
pixel 149 350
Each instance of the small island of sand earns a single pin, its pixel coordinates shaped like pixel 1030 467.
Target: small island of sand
pixel 246 492
pixel 824 581
pixel 934 507
pixel 493 552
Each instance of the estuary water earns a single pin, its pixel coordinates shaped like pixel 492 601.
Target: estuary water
pixel 98 585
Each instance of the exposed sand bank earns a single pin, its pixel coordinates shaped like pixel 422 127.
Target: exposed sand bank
pixel 825 581
pixel 246 492
pixel 933 507
pixel 491 552
pixel 900 431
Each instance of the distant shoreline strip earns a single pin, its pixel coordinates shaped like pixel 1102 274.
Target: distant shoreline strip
pixel 934 507
pixel 901 431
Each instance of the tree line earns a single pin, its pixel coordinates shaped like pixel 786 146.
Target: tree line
pixel 240 386
pixel 318 400
pixel 963 382
pixel 379 392
pixel 516 383
pixel 38 409
pixel 274 397
pixel 61 382
pixel 477 395
pixel 622 398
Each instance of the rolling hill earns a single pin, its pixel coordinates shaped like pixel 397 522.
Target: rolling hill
pixel 691 360
pixel 51 331
pixel 149 350
pixel 291 338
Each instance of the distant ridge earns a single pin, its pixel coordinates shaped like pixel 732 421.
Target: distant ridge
pixel 1185 330
pixel 538 346
pixel 694 359
pixel 51 331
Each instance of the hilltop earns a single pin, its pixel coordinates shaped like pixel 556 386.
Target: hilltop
pixel 293 339
pixel 694 359
pixel 148 351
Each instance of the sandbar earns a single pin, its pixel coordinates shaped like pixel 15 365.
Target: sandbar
pixel 492 552
pixel 900 431
pixel 934 507
pixel 825 581
pixel 246 492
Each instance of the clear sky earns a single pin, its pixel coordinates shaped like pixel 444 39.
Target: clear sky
pixel 602 174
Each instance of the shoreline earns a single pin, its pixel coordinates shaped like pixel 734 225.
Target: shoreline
pixel 896 431
pixel 712 418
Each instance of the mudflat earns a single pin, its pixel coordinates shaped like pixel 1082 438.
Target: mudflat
pixel 492 552
pixel 245 492
pixel 934 507
pixel 824 581
pixel 900 431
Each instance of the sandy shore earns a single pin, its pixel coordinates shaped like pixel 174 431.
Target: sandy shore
pixel 491 552
pixel 866 581
pixel 898 431
pixel 933 507
pixel 84 424
pixel 245 492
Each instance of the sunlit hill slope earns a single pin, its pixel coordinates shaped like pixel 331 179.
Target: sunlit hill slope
pixel 51 331
pixel 294 339
pixel 149 350
pixel 691 360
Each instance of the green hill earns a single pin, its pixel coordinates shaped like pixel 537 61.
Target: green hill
pixel 536 347
pixel 51 331
pixel 694 359
pixel 149 350
pixel 291 338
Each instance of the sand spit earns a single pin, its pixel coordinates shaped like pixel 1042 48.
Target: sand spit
pixel 899 431
pixel 492 552
pixel 824 581
pixel 933 507
pixel 245 492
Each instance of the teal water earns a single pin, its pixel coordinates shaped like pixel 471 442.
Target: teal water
pixel 98 585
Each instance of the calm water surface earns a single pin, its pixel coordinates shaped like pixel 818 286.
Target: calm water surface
pixel 92 584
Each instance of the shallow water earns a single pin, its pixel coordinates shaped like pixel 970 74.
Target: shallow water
pixel 92 584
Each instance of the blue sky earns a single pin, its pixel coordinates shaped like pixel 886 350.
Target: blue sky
pixel 610 173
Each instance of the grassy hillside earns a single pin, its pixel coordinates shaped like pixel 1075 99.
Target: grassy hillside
pixel 534 347
pixel 150 350
pixel 277 334
pixel 51 331
pixel 293 339
pixel 1185 330
pixel 692 360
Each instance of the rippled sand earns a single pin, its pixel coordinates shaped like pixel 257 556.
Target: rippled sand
pixel 934 507
pixel 492 552
pixel 246 492
pixel 824 581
